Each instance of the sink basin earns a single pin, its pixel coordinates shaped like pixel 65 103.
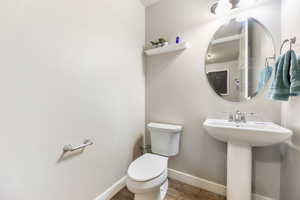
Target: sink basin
pixel 255 134
pixel 240 138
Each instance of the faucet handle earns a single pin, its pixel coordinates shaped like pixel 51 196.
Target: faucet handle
pixel 251 114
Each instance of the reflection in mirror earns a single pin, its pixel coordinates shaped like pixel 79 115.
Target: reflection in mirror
pixel 240 59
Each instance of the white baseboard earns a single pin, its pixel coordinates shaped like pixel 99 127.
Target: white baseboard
pixel 182 177
pixel 205 184
pixel 197 182
pixel 113 190
pixel 260 197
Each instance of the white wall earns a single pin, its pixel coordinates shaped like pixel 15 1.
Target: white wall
pixel 291 110
pixel 69 70
pixel 177 91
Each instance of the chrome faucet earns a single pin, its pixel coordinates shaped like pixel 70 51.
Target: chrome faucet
pixel 238 117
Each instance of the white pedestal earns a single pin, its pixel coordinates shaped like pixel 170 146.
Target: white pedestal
pixel 239 172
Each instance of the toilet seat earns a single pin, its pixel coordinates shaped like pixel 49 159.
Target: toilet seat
pixel 147 167
pixel 147 176
pixel 147 173
pixel 138 187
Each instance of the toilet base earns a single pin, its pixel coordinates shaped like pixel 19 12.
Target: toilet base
pixel 158 194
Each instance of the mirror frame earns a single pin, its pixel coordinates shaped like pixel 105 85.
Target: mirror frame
pixel 269 33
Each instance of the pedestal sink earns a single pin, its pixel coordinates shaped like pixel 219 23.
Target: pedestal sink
pixel 241 137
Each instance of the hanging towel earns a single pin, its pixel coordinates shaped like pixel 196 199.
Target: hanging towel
pixel 265 75
pixel 294 75
pixel 280 89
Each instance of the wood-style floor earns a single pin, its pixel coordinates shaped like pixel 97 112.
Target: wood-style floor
pixel 176 191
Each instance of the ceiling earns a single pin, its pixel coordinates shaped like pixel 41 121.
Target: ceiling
pixel 224 52
pixel 227 51
pixel 149 2
pixel 233 28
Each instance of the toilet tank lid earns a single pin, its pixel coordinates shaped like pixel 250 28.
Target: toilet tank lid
pixel 167 127
pixel 147 167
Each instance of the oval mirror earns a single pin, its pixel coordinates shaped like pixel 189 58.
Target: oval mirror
pixel 240 59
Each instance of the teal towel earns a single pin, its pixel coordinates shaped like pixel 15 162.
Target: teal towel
pixel 294 75
pixel 280 89
pixel 265 75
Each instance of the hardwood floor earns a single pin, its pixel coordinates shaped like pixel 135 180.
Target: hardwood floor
pixel 176 191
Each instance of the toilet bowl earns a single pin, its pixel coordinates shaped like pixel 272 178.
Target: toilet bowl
pixel 147 176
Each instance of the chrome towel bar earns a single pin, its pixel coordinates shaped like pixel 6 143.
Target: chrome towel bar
pixel 71 148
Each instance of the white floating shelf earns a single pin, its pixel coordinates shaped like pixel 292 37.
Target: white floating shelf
pixel 167 49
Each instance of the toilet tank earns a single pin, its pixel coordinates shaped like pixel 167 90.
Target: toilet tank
pixel 165 138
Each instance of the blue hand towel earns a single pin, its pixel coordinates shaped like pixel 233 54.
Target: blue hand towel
pixel 280 89
pixel 265 75
pixel 294 75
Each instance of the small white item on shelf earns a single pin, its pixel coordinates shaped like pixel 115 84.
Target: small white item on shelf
pixel 167 49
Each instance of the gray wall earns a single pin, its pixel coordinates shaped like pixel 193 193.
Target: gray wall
pixel 70 70
pixel 177 91
pixel 290 174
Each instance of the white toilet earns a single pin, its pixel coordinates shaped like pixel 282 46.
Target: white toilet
pixel 147 176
